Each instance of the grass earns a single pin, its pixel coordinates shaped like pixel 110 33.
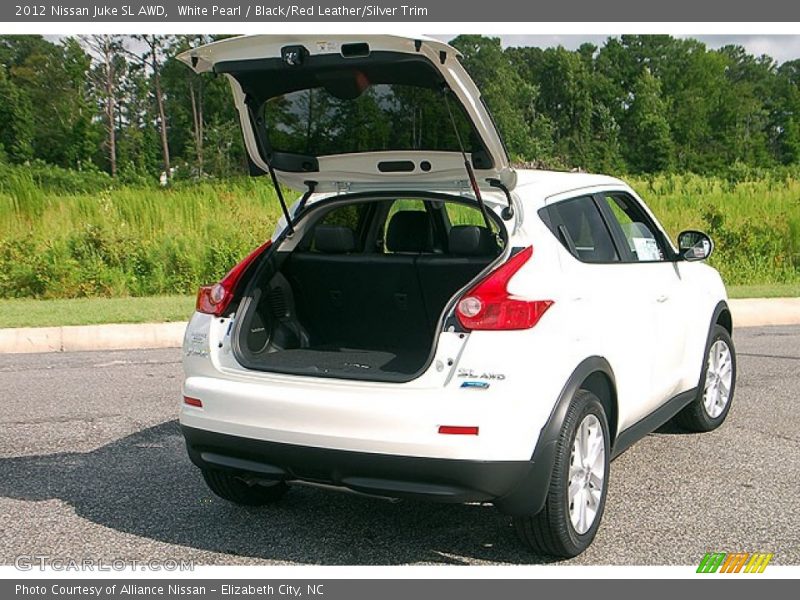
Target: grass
pixel 776 290
pixel 60 238
pixel 128 241
pixel 23 312
pixel 94 311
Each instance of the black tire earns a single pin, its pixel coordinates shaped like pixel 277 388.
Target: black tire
pixel 695 417
pixel 234 489
pixel 551 532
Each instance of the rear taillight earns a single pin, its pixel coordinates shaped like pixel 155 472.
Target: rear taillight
pixel 488 305
pixel 214 299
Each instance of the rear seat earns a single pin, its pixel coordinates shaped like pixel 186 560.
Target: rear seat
pixel 470 248
pixel 356 300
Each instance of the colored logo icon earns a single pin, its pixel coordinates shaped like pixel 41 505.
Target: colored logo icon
pixel 734 562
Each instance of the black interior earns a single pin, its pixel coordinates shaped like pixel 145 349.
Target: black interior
pixel 334 311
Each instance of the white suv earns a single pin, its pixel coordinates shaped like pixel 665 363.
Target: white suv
pixel 427 322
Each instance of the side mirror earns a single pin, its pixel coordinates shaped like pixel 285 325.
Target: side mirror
pixel 694 245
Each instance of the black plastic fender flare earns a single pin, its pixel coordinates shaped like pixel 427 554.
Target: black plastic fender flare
pixel 722 306
pixel 529 496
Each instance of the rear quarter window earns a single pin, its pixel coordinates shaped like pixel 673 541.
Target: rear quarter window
pixel 579 226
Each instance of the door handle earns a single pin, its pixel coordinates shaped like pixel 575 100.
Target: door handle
pixel 662 298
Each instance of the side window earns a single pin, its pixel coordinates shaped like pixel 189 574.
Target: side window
pixel 350 215
pixel 339 230
pixel 461 214
pixel 641 235
pixel 578 224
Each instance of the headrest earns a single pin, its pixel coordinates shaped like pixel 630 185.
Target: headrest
pixel 409 231
pixel 471 240
pixel 334 239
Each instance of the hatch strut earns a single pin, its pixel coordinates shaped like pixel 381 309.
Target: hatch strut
pixel 508 211
pixel 277 186
pixel 467 165
pixel 311 185
pixel 262 143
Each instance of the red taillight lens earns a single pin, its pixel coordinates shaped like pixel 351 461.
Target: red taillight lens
pixel 192 401
pixel 214 299
pixel 488 305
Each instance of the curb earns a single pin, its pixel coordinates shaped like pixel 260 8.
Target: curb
pixel 76 338
pixel 749 312
pixel 756 312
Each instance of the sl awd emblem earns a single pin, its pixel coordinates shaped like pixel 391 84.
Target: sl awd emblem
pixel 472 374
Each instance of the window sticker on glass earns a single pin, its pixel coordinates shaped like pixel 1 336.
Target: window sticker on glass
pixel 646 248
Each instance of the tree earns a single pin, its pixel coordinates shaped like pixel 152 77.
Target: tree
pixel 636 102
pixel 108 53
pixel 52 77
pixel 153 58
pixel 77 111
pixel 138 145
pixel 510 97
pixel 16 121
pixel 204 126
pixel 647 127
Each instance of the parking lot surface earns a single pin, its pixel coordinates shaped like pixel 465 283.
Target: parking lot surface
pixel 92 465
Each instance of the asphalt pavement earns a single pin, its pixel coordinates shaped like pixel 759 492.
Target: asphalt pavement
pixel 92 465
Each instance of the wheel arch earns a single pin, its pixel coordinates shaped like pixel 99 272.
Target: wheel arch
pixel 593 374
pixel 722 316
pixel 602 385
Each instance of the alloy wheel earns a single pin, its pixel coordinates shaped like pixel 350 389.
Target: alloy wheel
pixel 586 474
pixel 719 376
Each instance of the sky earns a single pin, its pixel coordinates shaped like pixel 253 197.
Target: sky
pixel 779 47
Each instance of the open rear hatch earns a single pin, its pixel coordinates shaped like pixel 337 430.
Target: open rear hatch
pixel 385 119
pixel 355 111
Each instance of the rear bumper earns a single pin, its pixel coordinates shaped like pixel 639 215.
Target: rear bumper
pixel 437 479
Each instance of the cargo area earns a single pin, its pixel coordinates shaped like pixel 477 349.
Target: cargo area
pixel 361 296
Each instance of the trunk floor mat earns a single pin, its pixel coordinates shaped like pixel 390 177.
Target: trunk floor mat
pixel 330 360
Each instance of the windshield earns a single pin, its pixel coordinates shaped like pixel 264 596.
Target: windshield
pixel 359 117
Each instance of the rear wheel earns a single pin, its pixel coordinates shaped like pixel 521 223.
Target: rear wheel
pixel 715 392
pixel 236 490
pixel 576 497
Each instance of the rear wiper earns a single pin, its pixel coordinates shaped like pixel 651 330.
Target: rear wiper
pixel 467 164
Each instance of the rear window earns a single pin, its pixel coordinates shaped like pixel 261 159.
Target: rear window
pixel 578 224
pixel 360 117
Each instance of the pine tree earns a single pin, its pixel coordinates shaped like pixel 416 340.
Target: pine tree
pixel 649 142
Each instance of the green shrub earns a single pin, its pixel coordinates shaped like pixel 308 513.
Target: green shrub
pixel 68 234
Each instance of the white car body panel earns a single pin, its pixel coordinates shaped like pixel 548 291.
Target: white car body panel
pixel 535 364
